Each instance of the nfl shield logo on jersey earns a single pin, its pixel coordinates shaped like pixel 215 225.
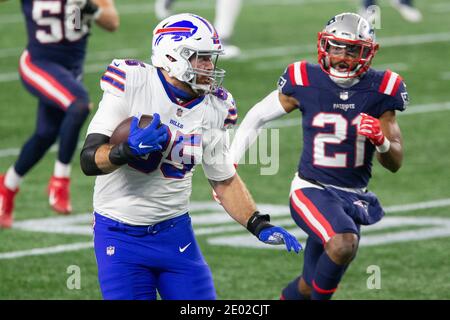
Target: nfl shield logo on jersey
pixel 110 250
pixel 344 95
pixel 179 112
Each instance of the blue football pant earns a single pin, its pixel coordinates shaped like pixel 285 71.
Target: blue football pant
pixel 136 262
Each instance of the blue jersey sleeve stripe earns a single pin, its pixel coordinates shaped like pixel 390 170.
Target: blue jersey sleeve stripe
pixel 232 111
pixel 114 83
pixel 116 71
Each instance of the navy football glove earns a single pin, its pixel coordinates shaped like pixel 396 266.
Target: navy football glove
pixel 149 139
pixel 278 235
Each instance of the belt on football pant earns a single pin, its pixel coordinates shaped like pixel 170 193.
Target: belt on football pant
pixel 114 225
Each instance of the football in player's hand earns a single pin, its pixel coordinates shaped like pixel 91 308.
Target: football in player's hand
pixel 122 131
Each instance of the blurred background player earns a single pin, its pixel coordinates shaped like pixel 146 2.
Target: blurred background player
pixel 348 116
pixel 404 7
pixel 226 14
pixel 51 68
pixel 144 240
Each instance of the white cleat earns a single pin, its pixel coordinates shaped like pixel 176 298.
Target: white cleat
pixel 163 9
pixel 408 12
pixel 230 52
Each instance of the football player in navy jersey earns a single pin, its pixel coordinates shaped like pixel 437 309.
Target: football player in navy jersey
pixel 51 68
pixel 348 116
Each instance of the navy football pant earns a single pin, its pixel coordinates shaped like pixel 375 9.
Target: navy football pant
pixel 321 216
pixel 136 262
pixel 63 106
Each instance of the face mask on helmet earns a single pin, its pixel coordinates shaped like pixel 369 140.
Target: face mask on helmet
pixel 202 74
pixel 345 47
pixel 187 47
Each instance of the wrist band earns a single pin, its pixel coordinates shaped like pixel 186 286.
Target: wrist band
pixel 120 154
pixel 384 147
pixel 257 222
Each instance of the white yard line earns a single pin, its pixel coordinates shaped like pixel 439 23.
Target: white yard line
pixel 247 55
pixel 250 54
pixel 442 7
pixel 445 76
pixel 48 250
pixel 219 222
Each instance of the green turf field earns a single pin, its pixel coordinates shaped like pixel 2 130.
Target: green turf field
pixel 410 248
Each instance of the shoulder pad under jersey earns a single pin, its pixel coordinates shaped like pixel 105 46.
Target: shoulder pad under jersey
pixel 122 75
pixel 296 74
pixel 392 86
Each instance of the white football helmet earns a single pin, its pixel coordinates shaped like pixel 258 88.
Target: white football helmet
pixel 181 37
pixel 353 33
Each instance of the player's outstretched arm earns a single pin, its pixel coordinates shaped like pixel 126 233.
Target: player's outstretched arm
pixel 385 134
pixel 238 202
pixel 273 106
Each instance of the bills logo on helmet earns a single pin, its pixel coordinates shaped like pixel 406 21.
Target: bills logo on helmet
pixel 179 30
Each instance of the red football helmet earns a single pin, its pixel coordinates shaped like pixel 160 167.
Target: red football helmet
pixel 346 46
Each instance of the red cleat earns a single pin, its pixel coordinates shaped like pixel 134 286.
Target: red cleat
pixel 6 204
pixel 59 195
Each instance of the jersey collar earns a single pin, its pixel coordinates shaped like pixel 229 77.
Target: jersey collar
pixel 189 105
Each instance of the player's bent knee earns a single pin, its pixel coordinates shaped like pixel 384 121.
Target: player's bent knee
pixel 342 247
pixel 46 137
pixel 79 110
pixel 304 288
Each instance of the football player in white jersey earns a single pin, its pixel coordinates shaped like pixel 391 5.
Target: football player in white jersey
pixel 144 241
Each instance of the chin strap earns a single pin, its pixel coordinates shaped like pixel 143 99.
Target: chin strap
pixel 338 78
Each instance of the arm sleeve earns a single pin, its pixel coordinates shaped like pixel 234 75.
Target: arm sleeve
pixel 264 111
pixel 111 111
pixel 217 161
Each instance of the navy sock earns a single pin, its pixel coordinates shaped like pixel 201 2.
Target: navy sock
pixel 75 116
pixel 326 278
pixel 407 2
pixel 291 292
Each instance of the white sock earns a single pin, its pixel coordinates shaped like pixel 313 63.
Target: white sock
pixel 226 13
pixel 61 170
pixel 12 179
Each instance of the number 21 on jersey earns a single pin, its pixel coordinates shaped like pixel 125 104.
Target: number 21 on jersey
pixel 340 134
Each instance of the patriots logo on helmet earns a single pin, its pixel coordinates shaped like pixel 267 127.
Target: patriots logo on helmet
pixel 179 30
